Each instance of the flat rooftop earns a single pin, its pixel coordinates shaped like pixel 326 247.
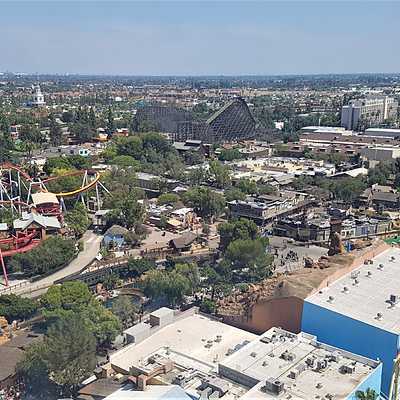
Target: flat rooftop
pixel 306 368
pixel 205 340
pixel 364 294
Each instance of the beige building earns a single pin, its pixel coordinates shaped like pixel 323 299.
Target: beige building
pixel 374 110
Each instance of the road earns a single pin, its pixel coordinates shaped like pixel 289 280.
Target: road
pixel 91 243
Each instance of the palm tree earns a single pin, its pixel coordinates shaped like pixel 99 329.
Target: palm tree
pixel 369 394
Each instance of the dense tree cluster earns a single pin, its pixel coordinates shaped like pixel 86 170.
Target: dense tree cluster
pixel 171 285
pixel 52 253
pixel 206 202
pixel 77 220
pixel 75 298
pixel 14 307
pixel 64 359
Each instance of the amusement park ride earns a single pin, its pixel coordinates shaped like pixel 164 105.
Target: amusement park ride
pixel 20 193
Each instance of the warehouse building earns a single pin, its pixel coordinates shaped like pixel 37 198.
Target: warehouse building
pixel 297 366
pixel 188 355
pixel 360 312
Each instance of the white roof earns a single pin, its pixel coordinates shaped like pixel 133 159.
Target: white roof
pixel 44 197
pixel 3 226
pixel 265 358
pixel 187 335
pixel 364 299
pixel 152 392
pixel 28 219
pixel 182 211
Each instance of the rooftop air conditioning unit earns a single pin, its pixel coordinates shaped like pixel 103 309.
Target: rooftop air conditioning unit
pixel 275 386
pixel 347 369
pixel 287 356
pixel 394 299
pixel 321 364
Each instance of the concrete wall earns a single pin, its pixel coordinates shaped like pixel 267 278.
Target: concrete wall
pixel 373 382
pixel 283 312
pixel 355 336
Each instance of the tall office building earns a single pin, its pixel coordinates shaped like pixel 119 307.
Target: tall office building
pixel 371 111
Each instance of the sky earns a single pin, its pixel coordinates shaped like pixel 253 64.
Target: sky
pixel 190 37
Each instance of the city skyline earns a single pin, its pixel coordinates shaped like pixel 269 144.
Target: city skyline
pixel 189 38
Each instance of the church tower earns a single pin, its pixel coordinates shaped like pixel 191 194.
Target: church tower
pixel 38 98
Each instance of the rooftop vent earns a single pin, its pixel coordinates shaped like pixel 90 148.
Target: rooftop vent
pixel 379 316
pixel 253 354
pixel 287 356
pixel 330 299
pixel 369 274
pixel 356 282
pixel 393 258
pixel 394 299
pixel 345 289
pixel 321 364
pixel 380 266
pixel 275 386
pixel 347 369
pixel 354 274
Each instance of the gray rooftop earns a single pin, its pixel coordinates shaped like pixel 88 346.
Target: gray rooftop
pixel 365 292
pixel 299 362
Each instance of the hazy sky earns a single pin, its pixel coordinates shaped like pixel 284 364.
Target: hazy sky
pixel 192 37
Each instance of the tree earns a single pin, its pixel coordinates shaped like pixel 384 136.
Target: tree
pixel 168 198
pixel 177 286
pixel 52 253
pixel 69 352
pixel 197 176
pixel 77 219
pixel 248 259
pixel 31 134
pixel 208 306
pixel 247 186
pixel 124 309
pixel 83 132
pixel 54 163
pixel 126 161
pixel 191 272
pixel 92 118
pixel 206 202
pixel 171 286
pixel 138 266
pixel 221 174
pixel 127 212
pixel 234 194
pixel 55 132
pixel 241 229
pixel 74 298
pixel 110 121
pixel 230 155
pixel 33 370
pixel 369 394
pixel 14 307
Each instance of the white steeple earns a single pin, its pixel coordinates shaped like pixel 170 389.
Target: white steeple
pixel 38 98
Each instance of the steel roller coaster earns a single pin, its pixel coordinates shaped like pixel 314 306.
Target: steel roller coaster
pixel 17 189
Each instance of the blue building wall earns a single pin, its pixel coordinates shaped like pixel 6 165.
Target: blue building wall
pixel 355 336
pixel 116 240
pixel 372 382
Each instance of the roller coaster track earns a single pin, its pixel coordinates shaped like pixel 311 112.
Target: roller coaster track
pixel 53 178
